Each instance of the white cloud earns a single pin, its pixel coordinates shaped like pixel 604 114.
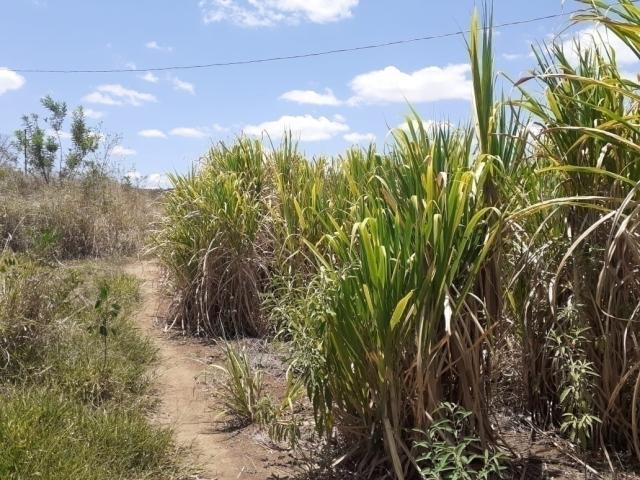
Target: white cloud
pixel 150 77
pixel 153 180
pixel 117 95
pixel 264 13
pixel 356 137
pixel 95 114
pixel 426 124
pixel 183 86
pixel 306 127
pixel 10 80
pixel 157 180
pixel 599 36
pixel 189 132
pixel 101 99
pixel 120 151
pixel 153 45
pixel 63 135
pixel 311 97
pixel 152 133
pixel 198 132
pixel 219 128
pixel 429 84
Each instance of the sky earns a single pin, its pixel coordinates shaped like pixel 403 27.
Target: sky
pixel 167 120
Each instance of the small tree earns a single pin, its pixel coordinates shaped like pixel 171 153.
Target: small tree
pixel 7 151
pixel 39 148
pixel 58 113
pixel 85 141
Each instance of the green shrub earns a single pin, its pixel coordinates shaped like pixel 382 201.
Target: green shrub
pixel 448 453
pixel 245 402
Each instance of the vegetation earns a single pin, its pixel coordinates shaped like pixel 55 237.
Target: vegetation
pixel 92 216
pixel 70 408
pixel 74 384
pixel 245 401
pixel 448 453
pixel 394 275
pixel 214 239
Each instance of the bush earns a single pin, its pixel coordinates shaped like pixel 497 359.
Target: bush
pixel 447 453
pixel 245 402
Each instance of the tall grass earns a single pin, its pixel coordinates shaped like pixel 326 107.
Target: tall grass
pixel 405 332
pixel 587 154
pixel 396 275
pixel 215 242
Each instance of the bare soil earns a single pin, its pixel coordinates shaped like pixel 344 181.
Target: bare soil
pixel 186 397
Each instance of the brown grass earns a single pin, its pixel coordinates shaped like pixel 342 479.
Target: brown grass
pixel 90 217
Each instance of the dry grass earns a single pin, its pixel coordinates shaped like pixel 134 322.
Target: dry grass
pixel 88 217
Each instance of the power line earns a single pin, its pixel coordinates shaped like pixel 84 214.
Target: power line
pixel 291 57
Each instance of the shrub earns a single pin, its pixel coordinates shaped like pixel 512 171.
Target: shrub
pixel 245 401
pixel 447 453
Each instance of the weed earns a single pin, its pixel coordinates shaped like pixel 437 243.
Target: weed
pixel 448 453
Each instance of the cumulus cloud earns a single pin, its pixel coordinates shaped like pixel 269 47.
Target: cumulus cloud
pixel 151 181
pixel 120 151
pixel 153 45
pixel 10 80
pixel 198 132
pixel 150 77
pixel 599 36
pixel 311 97
pixel 117 95
pixel 152 133
pixel 94 114
pixel 306 127
pixel 219 128
pixel 183 86
pixel 157 180
pixel 426 124
pixel 189 132
pixel 356 137
pixel 429 84
pixel 266 13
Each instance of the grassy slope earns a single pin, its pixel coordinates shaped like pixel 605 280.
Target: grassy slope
pixel 65 413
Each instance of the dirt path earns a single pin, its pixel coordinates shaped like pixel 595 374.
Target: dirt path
pixel 186 401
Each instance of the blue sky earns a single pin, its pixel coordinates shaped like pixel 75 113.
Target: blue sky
pixel 168 119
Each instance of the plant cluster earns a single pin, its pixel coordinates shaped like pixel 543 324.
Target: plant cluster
pixel 245 402
pixel 393 274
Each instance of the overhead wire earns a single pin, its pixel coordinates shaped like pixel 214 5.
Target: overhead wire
pixel 281 58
